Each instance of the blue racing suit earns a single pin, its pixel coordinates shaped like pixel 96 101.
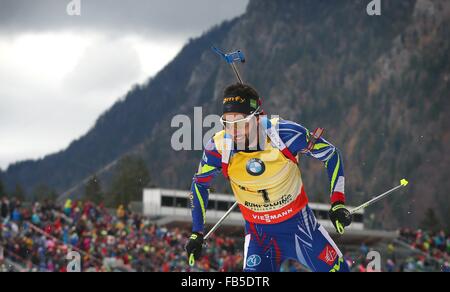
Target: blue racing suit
pixel 279 223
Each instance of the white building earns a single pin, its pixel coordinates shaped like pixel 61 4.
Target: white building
pixel 173 206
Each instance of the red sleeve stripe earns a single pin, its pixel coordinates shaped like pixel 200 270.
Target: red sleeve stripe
pixel 289 155
pixel 216 154
pixel 337 197
pixel 225 170
pixel 203 179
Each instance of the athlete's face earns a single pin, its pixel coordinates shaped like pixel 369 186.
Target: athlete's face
pixel 239 126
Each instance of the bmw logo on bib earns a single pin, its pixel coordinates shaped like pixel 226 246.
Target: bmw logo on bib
pixel 255 167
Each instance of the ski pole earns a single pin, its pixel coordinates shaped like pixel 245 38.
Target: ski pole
pixel 191 256
pixel 220 221
pixel 232 58
pixel 403 183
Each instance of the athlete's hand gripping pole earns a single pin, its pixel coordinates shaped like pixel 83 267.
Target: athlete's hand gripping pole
pixel 193 248
pixel 340 225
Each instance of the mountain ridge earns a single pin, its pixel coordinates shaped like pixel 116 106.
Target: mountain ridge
pixel 379 85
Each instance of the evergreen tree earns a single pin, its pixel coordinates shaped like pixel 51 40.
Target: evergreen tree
pixel 130 178
pixel 43 192
pixel 2 189
pixel 93 190
pixel 19 193
pixel 430 221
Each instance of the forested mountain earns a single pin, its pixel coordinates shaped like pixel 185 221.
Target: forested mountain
pixel 378 84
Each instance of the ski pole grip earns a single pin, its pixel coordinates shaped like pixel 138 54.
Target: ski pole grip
pixel 340 229
pixel 191 260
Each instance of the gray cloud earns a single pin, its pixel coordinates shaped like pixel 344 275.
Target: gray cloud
pixel 106 65
pixel 151 17
pixel 38 116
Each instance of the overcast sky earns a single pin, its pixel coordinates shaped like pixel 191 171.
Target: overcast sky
pixel 58 73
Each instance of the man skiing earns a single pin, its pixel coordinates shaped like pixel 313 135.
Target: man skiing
pixel 267 184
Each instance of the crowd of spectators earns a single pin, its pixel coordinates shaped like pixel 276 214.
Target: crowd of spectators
pixel 40 236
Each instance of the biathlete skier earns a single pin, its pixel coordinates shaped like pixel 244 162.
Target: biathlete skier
pixel 259 158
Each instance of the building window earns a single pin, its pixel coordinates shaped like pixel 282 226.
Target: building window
pixel 181 203
pixel 223 206
pixel 212 205
pixel 167 201
pixel 358 218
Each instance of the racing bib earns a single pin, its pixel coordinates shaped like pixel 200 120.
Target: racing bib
pixel 267 185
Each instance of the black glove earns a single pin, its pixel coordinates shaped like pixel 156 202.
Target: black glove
pixel 194 247
pixel 340 217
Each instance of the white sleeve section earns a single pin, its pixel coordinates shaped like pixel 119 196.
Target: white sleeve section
pixel 340 185
pixel 246 245
pixel 323 154
pixel 289 143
